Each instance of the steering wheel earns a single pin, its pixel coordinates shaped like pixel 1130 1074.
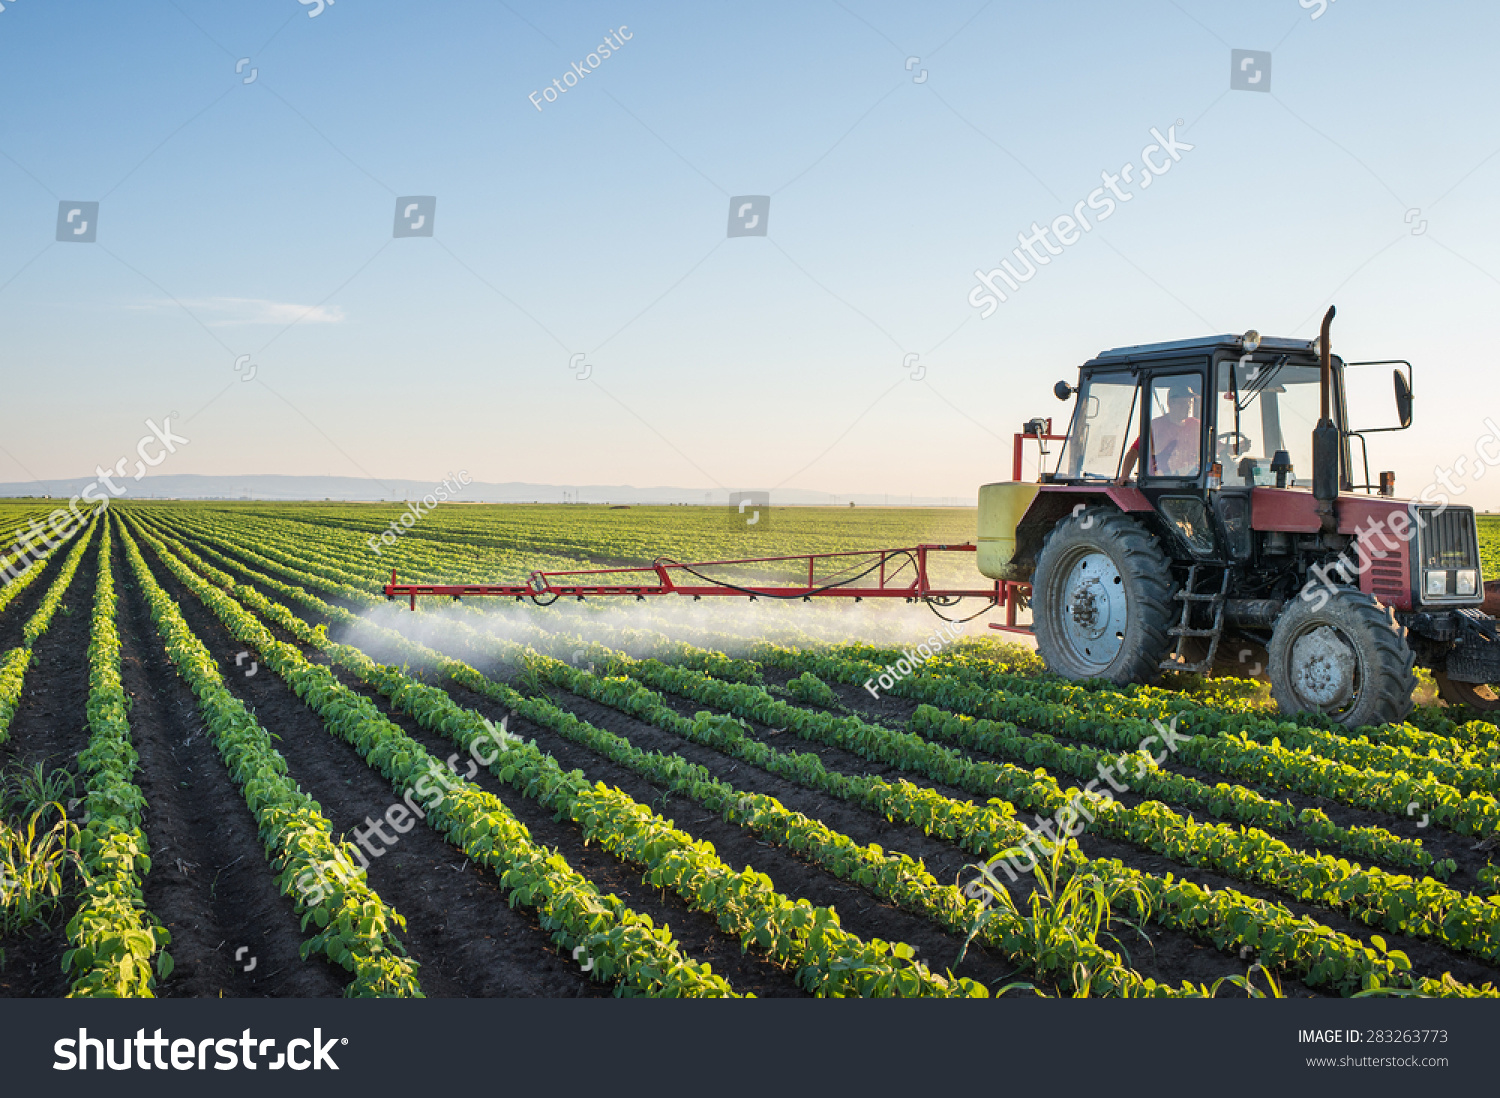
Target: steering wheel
pixel 1228 437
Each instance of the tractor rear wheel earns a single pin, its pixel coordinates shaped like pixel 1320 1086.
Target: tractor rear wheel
pixel 1346 658
pixel 1476 695
pixel 1102 598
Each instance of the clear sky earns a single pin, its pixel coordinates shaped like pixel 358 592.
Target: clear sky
pixel 596 226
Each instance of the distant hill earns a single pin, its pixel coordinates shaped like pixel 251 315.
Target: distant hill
pixel 273 487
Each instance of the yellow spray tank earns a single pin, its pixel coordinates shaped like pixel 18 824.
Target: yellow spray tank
pixel 1001 507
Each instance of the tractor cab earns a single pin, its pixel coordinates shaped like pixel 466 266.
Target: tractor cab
pixel 1223 411
pixel 1192 430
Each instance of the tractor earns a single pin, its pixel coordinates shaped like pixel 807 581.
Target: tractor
pixel 1211 508
pixel 1204 514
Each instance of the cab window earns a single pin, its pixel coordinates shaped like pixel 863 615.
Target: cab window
pixel 1103 424
pixel 1175 434
pixel 1266 406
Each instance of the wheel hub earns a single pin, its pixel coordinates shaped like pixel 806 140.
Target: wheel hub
pixel 1323 668
pixel 1093 615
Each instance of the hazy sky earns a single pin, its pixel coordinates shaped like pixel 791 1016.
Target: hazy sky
pixel 597 226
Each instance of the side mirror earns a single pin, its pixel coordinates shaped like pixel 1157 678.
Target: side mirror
pixel 1062 390
pixel 1403 398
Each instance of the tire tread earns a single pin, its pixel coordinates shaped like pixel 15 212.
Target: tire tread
pixel 1138 554
pixel 1392 660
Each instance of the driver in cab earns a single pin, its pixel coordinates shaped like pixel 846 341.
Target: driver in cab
pixel 1175 436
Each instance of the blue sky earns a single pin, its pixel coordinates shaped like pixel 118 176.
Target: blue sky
pixel 598 226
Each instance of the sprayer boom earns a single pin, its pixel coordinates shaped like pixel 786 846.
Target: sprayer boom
pixel 858 574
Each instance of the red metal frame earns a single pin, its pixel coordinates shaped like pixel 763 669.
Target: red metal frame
pixel 544 584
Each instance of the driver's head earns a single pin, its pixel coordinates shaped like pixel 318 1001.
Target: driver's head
pixel 1180 398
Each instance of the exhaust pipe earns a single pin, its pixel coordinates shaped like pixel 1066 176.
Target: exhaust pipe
pixel 1325 440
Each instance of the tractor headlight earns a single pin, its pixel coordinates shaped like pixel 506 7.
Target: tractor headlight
pixel 1437 582
pixel 1468 581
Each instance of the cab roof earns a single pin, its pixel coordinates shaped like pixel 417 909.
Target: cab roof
pixel 1138 351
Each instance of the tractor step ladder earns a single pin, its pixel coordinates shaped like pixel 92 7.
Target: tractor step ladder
pixel 1189 596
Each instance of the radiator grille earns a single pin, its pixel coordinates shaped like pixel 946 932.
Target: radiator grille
pixel 1448 539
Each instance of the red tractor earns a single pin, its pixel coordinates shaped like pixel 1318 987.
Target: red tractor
pixel 1211 506
pixel 1205 513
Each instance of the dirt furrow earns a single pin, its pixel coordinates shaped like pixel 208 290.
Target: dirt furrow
pixel 460 926
pixel 233 933
pixel 49 729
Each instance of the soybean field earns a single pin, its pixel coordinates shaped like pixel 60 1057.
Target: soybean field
pixel 230 767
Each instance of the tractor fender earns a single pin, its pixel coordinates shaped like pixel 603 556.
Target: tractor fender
pixel 1055 502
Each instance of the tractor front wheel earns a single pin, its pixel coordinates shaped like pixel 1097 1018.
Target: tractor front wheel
pixel 1102 599
pixel 1346 658
pixel 1476 695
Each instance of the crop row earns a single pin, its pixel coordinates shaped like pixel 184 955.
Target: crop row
pixel 895 877
pixel 1318 953
pixel 1235 802
pixel 1450 732
pixel 1112 721
pixel 113 937
pixel 1226 915
pixel 356 927
pixel 1394 902
pixel 1144 775
pixel 1146 778
pixel 830 961
pixel 12 589
pixel 1401 748
pixel 1326 964
pixel 13 664
pixel 624 945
